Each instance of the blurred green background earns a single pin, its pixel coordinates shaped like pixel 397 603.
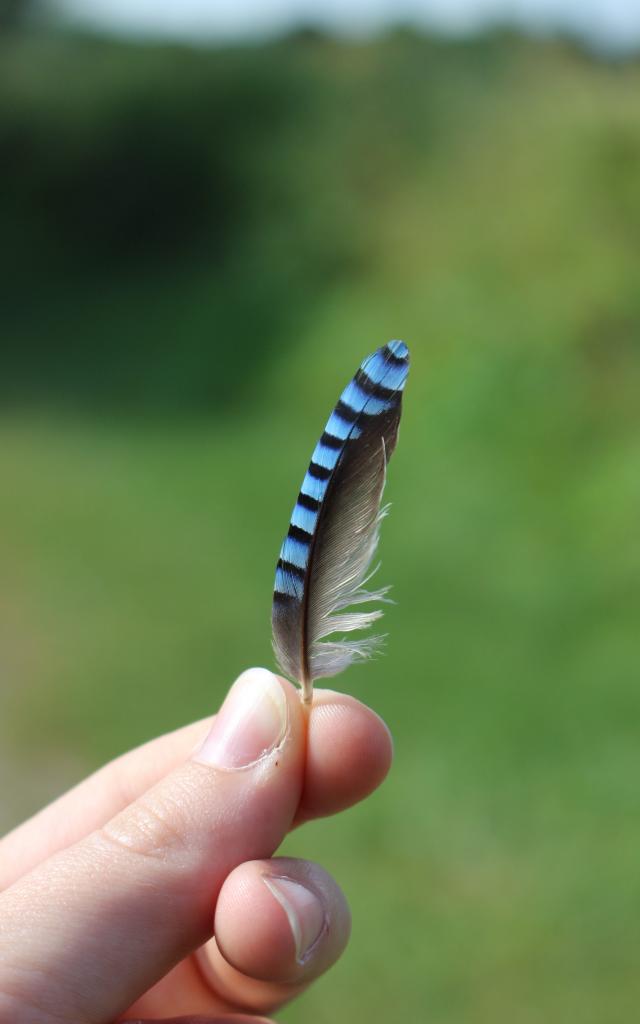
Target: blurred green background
pixel 198 248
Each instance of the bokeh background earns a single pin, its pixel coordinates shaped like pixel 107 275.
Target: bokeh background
pixel 201 239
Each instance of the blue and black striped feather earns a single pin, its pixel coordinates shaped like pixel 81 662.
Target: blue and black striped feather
pixel 333 534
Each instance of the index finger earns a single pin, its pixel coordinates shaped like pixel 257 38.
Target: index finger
pixel 348 754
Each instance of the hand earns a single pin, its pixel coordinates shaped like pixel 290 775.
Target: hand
pixel 110 896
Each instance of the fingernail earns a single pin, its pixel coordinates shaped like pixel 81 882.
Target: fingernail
pixel 304 911
pixel 251 722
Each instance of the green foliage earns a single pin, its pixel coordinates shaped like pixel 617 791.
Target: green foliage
pixel 218 238
pixel 199 201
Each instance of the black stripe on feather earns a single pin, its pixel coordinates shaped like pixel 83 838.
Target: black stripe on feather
pixel 297 533
pixel 308 502
pixel 329 441
pixel 320 472
pixel 345 412
pixel 394 359
pixel 375 390
pixel 289 567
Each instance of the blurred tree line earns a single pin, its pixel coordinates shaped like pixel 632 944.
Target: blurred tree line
pixel 14 14
pixel 164 208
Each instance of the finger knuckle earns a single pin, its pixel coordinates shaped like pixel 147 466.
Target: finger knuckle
pixel 154 828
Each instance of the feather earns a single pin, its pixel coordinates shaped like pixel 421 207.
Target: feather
pixel 324 561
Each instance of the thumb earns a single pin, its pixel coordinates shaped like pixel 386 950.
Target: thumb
pixel 95 926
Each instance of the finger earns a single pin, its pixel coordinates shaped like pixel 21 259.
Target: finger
pixel 349 753
pixel 279 924
pixel 97 925
pixel 91 803
pixel 234 1018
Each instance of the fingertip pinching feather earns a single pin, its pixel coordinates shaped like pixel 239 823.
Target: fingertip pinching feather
pixel 333 534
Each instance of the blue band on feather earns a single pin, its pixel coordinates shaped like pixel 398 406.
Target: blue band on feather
pixel 324 456
pixel 286 583
pixel 357 399
pixel 395 377
pixel 341 428
pixel 295 551
pixel 398 348
pixel 381 371
pixel 313 487
pixel 304 518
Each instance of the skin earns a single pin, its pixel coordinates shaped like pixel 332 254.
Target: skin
pixel 110 896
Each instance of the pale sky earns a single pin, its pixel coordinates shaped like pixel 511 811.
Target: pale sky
pixel 604 22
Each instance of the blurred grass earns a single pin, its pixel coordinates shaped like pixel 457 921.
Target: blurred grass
pixel 485 207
